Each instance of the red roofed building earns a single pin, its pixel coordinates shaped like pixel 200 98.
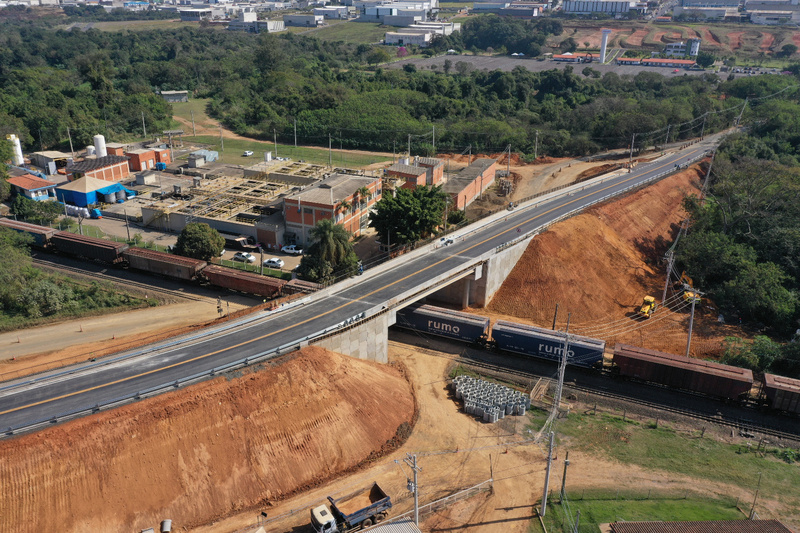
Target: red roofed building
pixel 680 63
pixel 32 187
pixel 574 58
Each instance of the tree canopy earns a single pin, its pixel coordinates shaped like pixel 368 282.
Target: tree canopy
pixel 200 241
pixel 409 215
pixel 330 255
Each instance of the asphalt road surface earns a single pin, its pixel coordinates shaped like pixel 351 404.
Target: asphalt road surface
pixel 44 397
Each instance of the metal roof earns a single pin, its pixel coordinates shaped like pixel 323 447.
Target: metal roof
pixel 407 169
pixel 712 526
pixel 680 361
pixel 779 382
pixel 333 189
pixel 92 164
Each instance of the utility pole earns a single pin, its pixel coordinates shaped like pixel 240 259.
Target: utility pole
pixel 577 521
pixel 630 159
pixel 670 260
pixel 739 118
pixel 755 498
pixel 295 132
pixel 144 129
pixel 221 140
pixel 330 154
pixel 666 139
pixel 508 163
pixel 275 140
pixel 536 147
pixel 411 461
pixel 562 368
pixel 194 132
pixel 127 226
pixel 555 316
pixel 703 129
pixel 433 140
pixel 409 145
pixel 394 150
pixel 564 479
pixel 71 149
pixel 691 322
pixel 547 475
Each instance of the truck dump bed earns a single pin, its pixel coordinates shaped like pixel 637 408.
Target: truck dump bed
pixel 355 507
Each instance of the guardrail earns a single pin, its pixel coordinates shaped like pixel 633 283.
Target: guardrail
pixel 247 361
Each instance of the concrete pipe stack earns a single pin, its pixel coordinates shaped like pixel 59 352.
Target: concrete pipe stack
pixel 489 401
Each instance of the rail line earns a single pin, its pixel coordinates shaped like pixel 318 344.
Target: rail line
pixel 745 427
pixel 153 289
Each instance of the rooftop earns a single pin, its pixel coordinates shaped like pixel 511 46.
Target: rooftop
pixel 92 164
pixel 467 175
pixel 53 154
pixel 139 151
pixel 407 169
pixel 30 183
pixel 335 188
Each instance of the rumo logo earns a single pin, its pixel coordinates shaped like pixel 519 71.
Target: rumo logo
pixel 448 328
pixel 548 348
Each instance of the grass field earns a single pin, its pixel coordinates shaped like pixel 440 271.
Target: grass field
pixel 601 508
pixel 352 32
pixel 663 448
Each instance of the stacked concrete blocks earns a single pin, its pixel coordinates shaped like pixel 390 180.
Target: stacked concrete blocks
pixel 489 401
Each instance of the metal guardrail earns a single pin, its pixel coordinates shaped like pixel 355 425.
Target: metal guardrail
pixel 247 361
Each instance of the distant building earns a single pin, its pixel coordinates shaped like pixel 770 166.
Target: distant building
pixel 32 187
pixel 683 49
pixel 417 172
pixel 195 14
pixel 306 20
pixel 248 21
pixel 175 96
pixel 468 184
pixel 575 58
pixel 613 7
pixel 337 198
pixel 657 62
pixel 146 159
pixel 709 9
pixel 333 12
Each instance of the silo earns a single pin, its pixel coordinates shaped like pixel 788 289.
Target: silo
pixel 17 148
pixel 100 145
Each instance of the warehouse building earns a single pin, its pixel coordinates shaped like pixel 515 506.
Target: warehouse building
pixel 51 160
pixel 613 7
pixel 106 168
pixel 305 20
pixel 470 183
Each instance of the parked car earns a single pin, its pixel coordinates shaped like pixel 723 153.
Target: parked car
pixel 445 241
pixel 244 257
pixel 273 262
pixel 292 249
pixel 247 153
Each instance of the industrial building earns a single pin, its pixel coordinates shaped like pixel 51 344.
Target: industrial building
pixel 689 48
pixel 90 191
pixel 710 9
pixel 470 182
pixel 346 198
pixel 412 173
pixel 657 62
pixel 248 21
pixel 107 168
pixel 613 7
pixel 50 160
pixel 304 19
pixel 175 96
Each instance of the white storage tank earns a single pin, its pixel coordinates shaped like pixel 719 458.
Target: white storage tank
pixel 17 148
pixel 100 145
pixel 90 150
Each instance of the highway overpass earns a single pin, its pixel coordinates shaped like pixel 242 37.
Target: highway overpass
pixel 351 316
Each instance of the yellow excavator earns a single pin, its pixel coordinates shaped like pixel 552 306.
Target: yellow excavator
pixel 689 294
pixel 648 307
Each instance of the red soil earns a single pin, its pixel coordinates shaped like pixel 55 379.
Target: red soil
pixel 599 265
pixel 767 40
pixel 710 38
pixel 635 39
pixel 735 40
pixel 198 454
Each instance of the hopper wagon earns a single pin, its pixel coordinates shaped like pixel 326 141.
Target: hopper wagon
pixel 783 393
pixel 41 234
pixel 444 322
pixel 547 344
pixel 164 264
pixel 680 372
pixel 89 247
pixel 238 280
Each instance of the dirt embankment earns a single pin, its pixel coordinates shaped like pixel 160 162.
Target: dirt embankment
pixel 599 265
pixel 199 454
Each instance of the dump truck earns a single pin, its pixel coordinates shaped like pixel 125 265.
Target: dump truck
pixel 354 511
pixel 648 307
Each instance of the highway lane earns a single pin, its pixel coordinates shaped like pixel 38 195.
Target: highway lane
pixel 101 384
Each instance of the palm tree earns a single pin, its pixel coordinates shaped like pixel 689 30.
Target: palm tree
pixel 362 194
pixel 331 241
pixel 343 206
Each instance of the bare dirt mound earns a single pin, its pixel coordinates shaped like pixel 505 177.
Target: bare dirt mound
pixel 201 453
pixel 599 265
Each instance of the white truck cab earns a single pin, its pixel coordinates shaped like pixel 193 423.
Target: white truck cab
pixel 322 520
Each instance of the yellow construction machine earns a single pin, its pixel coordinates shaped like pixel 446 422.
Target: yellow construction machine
pixel 648 307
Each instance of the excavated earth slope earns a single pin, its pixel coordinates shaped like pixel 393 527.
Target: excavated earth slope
pixel 201 453
pixel 599 265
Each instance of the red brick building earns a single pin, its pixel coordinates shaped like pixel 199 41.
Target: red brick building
pixel 421 171
pixel 345 198
pixel 468 184
pixel 107 168
pixel 146 158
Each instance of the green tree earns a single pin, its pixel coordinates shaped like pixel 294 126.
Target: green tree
pixel 6 154
pixel 705 59
pixel 200 241
pixel 330 255
pixel 787 50
pixel 409 215
pixel 378 56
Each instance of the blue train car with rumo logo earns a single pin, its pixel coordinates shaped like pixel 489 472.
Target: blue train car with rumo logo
pixel 444 322
pixel 547 344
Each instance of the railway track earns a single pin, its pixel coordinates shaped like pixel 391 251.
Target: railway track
pixel 147 288
pixel 744 427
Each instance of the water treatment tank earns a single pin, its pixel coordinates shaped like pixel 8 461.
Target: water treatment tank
pixel 100 145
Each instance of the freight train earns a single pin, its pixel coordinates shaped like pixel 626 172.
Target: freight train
pixel 630 362
pixel 155 262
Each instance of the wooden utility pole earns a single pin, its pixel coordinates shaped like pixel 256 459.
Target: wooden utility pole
pixel 547 475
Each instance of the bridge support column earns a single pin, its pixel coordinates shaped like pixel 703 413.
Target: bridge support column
pixel 465 298
pixel 368 340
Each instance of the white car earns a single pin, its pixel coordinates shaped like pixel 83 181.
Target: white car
pixel 247 153
pixel 446 241
pixel 292 249
pixel 244 257
pixel 273 262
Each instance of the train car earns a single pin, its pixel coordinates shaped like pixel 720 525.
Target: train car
pixel 238 280
pixel 296 286
pixel 547 344
pixel 41 234
pixel 443 322
pixel 171 265
pixel 783 393
pixel 679 372
pixel 89 247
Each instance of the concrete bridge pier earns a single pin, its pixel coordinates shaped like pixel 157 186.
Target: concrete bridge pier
pixel 368 339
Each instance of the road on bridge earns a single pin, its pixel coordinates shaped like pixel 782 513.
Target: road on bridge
pixel 48 397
